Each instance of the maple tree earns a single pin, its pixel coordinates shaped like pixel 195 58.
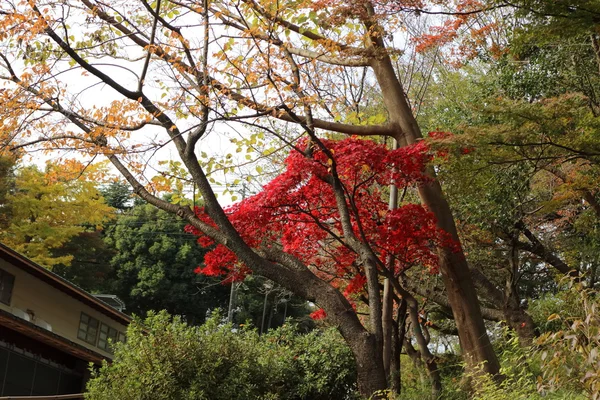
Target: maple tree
pixel 526 196
pixel 328 209
pixel 300 62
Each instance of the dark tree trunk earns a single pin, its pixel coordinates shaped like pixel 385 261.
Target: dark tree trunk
pixel 388 325
pixel 371 378
pixel 515 316
pixel 521 323
pixel 399 330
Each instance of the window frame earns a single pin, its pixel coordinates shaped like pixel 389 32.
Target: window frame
pixel 86 331
pixel 108 340
pixel 5 277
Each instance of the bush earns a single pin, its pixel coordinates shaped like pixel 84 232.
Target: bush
pixel 522 369
pixel 570 357
pixel 164 358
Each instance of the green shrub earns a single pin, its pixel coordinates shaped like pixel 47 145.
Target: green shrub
pixel 164 358
pixel 569 353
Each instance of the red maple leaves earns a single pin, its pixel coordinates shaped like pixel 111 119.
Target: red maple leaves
pixel 299 211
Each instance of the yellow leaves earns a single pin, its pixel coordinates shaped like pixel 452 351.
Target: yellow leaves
pixel 49 208
pixel 159 184
pixel 553 317
pixel 66 170
pixel 269 151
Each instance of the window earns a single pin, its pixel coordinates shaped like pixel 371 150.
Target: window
pixel 88 329
pixel 106 333
pixel 7 281
pixel 98 333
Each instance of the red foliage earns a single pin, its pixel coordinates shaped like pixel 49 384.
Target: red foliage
pixel 355 285
pixel 445 138
pixel 463 35
pixel 439 36
pixel 298 210
pixel 319 314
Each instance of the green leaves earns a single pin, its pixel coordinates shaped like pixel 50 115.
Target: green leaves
pixel 154 262
pixel 167 359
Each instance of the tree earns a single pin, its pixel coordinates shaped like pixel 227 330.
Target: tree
pixel 89 266
pixel 117 195
pixel 520 169
pixel 48 209
pixel 304 63
pixel 7 165
pixel 153 266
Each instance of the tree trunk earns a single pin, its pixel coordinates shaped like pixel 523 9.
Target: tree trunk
pixel 521 323
pixel 387 322
pixel 388 300
pixel 426 356
pixel 430 363
pixel 475 343
pixel 415 358
pixel 399 330
pixel 371 378
pixel 537 248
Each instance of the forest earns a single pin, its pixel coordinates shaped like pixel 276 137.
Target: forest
pixel 410 187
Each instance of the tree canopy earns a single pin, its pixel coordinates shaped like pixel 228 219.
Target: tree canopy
pixel 153 266
pixel 46 209
pixel 392 138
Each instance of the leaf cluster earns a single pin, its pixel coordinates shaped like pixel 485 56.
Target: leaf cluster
pixel 165 358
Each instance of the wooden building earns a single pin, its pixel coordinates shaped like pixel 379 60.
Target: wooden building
pixel 50 330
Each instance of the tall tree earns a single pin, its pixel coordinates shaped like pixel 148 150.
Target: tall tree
pixel 153 266
pixel 300 62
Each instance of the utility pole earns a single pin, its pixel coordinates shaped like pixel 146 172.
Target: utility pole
pixel 268 285
pixel 232 299
pixel 235 285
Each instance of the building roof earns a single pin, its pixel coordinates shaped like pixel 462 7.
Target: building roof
pixel 60 283
pixel 112 300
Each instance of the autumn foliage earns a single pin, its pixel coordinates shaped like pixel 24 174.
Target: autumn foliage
pixel 298 211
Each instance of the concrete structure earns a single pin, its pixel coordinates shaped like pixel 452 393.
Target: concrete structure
pixel 50 330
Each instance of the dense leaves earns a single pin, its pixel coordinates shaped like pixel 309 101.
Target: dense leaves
pixel 167 359
pixel 299 210
pixel 46 209
pixel 152 268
